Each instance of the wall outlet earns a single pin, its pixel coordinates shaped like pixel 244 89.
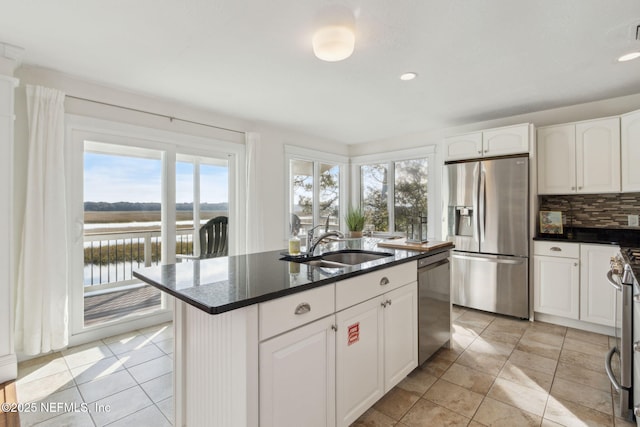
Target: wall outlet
pixel 632 220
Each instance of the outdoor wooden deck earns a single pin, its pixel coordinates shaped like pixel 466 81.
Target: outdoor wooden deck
pixel 110 306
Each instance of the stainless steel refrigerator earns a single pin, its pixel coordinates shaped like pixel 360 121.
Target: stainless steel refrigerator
pixel 488 221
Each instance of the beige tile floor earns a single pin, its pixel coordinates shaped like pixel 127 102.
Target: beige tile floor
pixel 499 372
pixel 125 380
pixel 502 371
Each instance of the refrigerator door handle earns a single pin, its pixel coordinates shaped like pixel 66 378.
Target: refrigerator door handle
pixel 476 192
pixel 482 199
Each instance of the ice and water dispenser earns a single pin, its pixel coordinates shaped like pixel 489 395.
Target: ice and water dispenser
pixel 460 221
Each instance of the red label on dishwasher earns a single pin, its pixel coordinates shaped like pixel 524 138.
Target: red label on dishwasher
pixel 353 333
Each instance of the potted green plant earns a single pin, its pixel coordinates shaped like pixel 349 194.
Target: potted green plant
pixel 355 219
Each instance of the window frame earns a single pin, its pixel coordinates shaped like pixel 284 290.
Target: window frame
pixel 79 129
pixel 434 181
pixel 293 152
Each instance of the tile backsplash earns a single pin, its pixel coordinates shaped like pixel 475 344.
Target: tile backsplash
pixel 593 210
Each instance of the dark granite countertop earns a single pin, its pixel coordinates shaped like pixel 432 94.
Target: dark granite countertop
pixel 217 285
pixel 614 236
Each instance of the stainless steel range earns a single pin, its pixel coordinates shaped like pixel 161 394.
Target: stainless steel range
pixel 622 378
pixel 623 276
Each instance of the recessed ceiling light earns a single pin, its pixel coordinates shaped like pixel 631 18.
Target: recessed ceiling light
pixel 408 76
pixel 629 56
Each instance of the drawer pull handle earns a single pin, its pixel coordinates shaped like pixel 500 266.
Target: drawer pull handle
pixel 384 281
pixel 303 308
pixel 555 249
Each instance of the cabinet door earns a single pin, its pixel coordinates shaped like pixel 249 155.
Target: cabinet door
pixel 630 151
pixel 598 156
pixel 400 334
pixel 507 140
pixel 556 286
pixel 467 146
pixel 597 296
pixel 359 355
pixel 297 377
pixel 556 160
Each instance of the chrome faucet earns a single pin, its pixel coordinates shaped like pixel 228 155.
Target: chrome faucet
pixel 314 244
pixel 311 232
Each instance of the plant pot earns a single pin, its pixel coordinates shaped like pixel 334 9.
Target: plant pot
pixel 355 234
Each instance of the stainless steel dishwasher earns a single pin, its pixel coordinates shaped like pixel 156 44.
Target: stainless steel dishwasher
pixel 434 304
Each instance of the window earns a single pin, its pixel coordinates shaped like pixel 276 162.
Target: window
pixel 395 191
pixel 316 190
pixel 139 196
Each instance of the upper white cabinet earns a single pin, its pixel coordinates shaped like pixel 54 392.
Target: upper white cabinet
pixel 579 157
pixel 630 148
pixel 488 143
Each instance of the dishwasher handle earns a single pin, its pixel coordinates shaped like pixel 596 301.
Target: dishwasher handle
pixel 433 265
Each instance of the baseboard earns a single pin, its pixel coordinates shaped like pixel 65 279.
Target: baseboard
pixel 576 324
pixel 8 368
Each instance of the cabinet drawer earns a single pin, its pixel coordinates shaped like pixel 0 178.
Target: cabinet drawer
pixel 557 249
pixel 289 312
pixel 361 288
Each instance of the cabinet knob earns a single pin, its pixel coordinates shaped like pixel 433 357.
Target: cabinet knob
pixel 334 327
pixel 480 152
pixel 575 264
pixel 636 410
pixel 486 151
pixel 636 346
pixel 384 281
pixel 573 188
pixel 579 188
pixel 302 308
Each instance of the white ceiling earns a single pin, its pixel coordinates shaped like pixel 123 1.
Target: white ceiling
pixel 476 59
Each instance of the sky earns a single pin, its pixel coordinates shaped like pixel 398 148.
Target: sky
pixel 110 178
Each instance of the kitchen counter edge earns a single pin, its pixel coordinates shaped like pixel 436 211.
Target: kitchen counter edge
pixel 352 271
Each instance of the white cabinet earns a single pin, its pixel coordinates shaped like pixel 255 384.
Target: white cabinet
pixel 488 143
pixel 570 281
pixel 297 367
pixel 556 279
pixel 556 160
pixel 313 376
pixel 630 151
pixel 297 377
pixel 466 146
pixel 597 296
pixel 579 157
pixel 377 346
pixel 359 358
pixel 400 334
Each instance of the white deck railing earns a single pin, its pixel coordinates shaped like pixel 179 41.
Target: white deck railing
pixel 110 258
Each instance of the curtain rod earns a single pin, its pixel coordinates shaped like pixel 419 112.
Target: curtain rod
pixel 155 114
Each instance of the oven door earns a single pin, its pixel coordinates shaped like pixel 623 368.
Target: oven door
pixel 621 377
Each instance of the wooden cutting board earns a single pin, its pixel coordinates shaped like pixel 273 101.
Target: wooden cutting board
pixel 403 244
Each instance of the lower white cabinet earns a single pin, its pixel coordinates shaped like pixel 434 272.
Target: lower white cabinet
pixel 297 377
pixel 570 281
pixel 377 346
pixel 597 296
pixel 556 286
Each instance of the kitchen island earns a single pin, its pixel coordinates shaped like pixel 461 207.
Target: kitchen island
pixel 265 341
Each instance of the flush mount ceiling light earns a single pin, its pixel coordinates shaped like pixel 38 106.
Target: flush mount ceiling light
pixel 408 76
pixel 335 38
pixel 629 56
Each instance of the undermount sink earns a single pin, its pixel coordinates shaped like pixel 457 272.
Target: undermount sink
pixel 353 257
pixel 343 258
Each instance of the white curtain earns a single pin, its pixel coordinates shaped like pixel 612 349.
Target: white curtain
pixel 255 219
pixel 42 291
